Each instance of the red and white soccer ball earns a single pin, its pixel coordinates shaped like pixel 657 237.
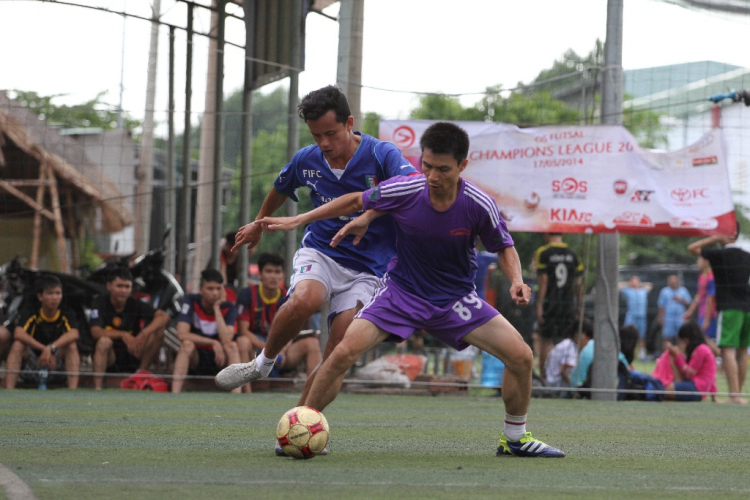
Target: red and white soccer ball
pixel 302 432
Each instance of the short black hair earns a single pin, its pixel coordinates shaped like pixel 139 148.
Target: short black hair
pixel 587 327
pixel 47 282
pixel 119 272
pixel 628 341
pixel 444 138
pixel 267 258
pixel 211 275
pixel 231 237
pixel 321 101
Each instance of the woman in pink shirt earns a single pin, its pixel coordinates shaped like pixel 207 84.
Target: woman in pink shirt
pixel 692 365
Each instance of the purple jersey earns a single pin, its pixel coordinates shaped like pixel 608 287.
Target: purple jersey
pixel 436 251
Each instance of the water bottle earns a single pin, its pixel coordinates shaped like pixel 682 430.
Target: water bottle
pixel 43 373
pixel 492 370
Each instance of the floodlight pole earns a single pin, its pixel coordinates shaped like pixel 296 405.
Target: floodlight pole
pixel 218 159
pixel 292 144
pixel 606 334
pixel 349 68
pixel 184 213
pixel 247 133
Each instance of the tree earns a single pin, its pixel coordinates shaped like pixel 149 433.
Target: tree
pixel 94 113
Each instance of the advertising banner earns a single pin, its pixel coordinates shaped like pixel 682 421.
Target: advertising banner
pixel 592 179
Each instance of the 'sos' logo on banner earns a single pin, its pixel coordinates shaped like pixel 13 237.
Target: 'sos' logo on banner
pixel 403 137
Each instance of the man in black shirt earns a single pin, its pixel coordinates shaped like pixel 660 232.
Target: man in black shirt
pixel 128 332
pixel 45 338
pixel 731 266
pixel 559 274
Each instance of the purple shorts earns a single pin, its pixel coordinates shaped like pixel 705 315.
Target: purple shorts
pixel 401 314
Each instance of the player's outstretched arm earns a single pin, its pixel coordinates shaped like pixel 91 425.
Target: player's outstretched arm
pixel 343 205
pixel 511 266
pixel 250 234
pixel 357 227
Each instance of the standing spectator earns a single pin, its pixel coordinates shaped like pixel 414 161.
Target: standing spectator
pixel 689 366
pixel 705 302
pixel 45 338
pixel 559 274
pixel 636 297
pixel 206 330
pixel 731 266
pixel 128 332
pixel 229 265
pixel 256 307
pixel 673 302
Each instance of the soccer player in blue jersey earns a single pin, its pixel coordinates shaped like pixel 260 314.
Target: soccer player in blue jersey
pixel 438 217
pixel 341 161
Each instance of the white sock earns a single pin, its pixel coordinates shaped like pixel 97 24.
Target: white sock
pixel 264 364
pixel 514 427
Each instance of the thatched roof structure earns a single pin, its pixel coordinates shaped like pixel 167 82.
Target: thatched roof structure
pixel 26 143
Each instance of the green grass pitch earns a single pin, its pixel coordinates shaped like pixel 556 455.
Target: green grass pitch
pixel 125 444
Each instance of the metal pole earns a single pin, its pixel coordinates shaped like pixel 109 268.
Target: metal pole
pixel 292 144
pixel 247 132
pixel 218 127
pixel 187 177
pixel 607 337
pixel 144 190
pixel 169 264
pixel 349 69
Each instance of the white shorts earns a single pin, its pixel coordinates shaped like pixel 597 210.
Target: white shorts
pixel 344 287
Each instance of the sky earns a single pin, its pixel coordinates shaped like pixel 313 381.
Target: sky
pixel 409 45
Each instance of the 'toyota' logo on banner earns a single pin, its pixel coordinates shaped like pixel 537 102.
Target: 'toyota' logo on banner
pixel 682 194
pixel 404 137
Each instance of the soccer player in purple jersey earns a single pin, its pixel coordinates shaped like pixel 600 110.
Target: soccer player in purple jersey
pixel 438 217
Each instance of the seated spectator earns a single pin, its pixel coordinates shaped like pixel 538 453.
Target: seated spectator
pixel 229 264
pixel 586 356
pixel 629 337
pixel 561 360
pixel 45 338
pixel 257 306
pixel 689 366
pixel 127 332
pixel 205 329
pixel 5 340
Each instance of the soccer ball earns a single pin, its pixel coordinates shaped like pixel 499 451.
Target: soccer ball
pixel 302 432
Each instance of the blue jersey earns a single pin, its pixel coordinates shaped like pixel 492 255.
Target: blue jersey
pixel 373 162
pixel 436 251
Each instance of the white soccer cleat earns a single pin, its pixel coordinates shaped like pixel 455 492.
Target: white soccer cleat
pixel 237 375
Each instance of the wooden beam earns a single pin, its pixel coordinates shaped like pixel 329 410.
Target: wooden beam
pixel 59 229
pixel 72 228
pixel 28 182
pixel 30 202
pixel 38 218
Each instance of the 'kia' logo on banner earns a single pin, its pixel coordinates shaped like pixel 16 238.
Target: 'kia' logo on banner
pixel 621 186
pixel 403 137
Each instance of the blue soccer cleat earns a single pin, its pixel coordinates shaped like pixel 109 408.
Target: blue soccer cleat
pixel 527 446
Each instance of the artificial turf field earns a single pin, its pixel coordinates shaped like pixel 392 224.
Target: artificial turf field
pixel 125 444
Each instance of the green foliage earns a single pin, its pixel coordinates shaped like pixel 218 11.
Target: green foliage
pixel 524 111
pixel 371 123
pixel 94 113
pixel 569 62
